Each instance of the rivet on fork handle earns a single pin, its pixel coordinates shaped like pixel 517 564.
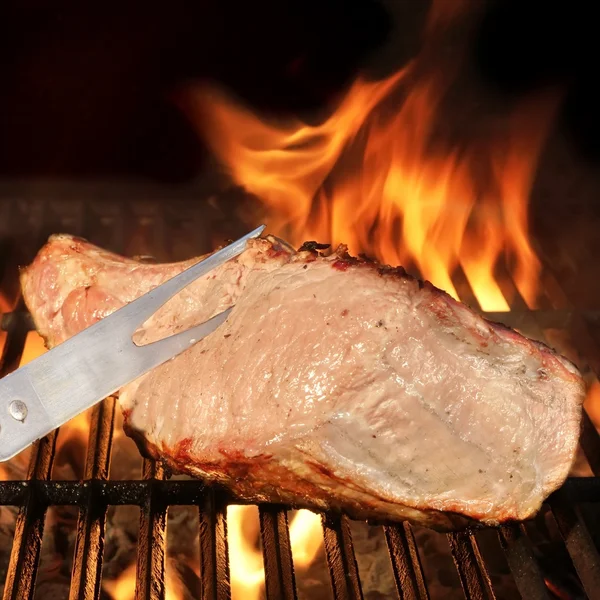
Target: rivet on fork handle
pixel 18 410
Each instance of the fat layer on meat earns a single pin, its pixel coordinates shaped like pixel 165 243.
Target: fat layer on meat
pixel 335 384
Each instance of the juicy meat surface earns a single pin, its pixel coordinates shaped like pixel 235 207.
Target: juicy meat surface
pixel 334 384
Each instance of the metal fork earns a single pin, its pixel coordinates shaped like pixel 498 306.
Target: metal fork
pixel 67 380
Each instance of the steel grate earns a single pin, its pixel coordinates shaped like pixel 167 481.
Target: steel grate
pixel 155 493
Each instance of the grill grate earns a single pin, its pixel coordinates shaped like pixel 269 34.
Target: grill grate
pixel 155 492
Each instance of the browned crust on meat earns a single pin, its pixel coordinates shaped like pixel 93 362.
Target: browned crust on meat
pixel 260 479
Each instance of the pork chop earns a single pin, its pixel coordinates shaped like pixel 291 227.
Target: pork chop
pixel 335 384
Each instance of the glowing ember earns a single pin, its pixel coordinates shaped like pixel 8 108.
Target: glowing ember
pixel 370 175
pixel 124 586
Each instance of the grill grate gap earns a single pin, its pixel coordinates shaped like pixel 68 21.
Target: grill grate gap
pixel 503 582
pixel 373 559
pixel 126 461
pixel 150 573
pixel 308 555
pixel 72 448
pixel 440 574
pixel 246 565
pixel 183 553
pixel 120 549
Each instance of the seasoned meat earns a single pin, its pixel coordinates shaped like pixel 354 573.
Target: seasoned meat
pixel 334 384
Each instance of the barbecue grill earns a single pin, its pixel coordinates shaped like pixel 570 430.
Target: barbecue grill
pixel 147 226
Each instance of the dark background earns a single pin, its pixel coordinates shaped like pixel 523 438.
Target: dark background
pixel 87 90
pixel 90 124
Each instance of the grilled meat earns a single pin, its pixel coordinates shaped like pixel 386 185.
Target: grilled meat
pixel 334 384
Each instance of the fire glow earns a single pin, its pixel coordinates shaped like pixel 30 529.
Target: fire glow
pixel 370 177
pixel 246 561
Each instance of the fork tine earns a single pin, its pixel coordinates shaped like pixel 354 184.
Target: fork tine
pixel 157 352
pixel 146 305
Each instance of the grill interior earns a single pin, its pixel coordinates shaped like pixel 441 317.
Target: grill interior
pixel 177 230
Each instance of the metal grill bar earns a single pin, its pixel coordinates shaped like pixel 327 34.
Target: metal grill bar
pixel 214 563
pixel 579 544
pixel 150 574
pixel 174 493
pixel 277 553
pixel 339 550
pixel 89 546
pixel 473 573
pixel 406 563
pixel 25 554
pixel 525 570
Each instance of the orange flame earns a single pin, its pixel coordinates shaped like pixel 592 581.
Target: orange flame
pixel 246 561
pixel 123 587
pixel 592 403
pixel 371 176
pixel 306 537
pixel 34 347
